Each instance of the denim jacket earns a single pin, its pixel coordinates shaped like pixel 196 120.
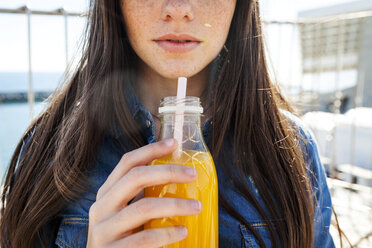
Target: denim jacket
pixel 232 233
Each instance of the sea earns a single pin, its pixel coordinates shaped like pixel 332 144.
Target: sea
pixel 15 117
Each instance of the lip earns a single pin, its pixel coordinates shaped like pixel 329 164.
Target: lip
pixel 167 43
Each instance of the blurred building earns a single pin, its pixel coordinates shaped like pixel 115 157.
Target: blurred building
pixel 338 40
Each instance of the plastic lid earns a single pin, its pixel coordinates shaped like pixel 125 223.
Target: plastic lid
pixel 184 108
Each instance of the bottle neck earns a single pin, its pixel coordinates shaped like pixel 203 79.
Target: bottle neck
pixel 191 130
pixel 189 119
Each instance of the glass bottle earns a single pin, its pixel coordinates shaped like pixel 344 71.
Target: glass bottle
pixel 192 151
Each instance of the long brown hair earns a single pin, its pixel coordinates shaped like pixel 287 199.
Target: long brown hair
pixel 67 135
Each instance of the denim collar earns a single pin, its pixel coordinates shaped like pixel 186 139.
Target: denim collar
pixel 132 100
pixel 135 108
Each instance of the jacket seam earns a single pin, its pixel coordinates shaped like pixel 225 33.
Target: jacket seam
pixel 82 223
pixel 64 243
pixel 255 226
pixel 249 241
pixel 245 236
pixel 83 219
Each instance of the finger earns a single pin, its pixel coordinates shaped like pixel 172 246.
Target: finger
pixel 145 210
pixel 140 156
pixel 158 237
pixel 137 179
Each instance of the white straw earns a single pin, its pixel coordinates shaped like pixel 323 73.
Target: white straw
pixel 181 94
pixel 181 88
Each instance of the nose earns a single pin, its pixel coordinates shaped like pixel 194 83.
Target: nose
pixel 177 10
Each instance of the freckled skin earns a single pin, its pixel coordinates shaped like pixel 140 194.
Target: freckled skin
pixel 147 20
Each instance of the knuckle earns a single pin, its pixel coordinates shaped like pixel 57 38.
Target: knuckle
pixel 99 193
pixel 135 173
pixel 93 213
pixel 144 206
pixel 168 233
pixel 95 238
pixel 172 171
pixel 126 243
pixel 178 203
pixel 147 239
pixel 127 157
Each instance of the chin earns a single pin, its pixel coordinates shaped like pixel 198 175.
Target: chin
pixel 174 70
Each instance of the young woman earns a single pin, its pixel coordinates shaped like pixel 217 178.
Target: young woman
pixel 75 179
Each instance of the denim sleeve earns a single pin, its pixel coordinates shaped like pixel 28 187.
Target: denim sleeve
pixel 321 195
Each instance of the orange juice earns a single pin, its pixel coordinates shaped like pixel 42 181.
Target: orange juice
pixel 202 228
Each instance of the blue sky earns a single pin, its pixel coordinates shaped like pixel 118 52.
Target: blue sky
pixel 48 47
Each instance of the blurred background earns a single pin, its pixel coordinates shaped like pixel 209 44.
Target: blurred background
pixel 320 53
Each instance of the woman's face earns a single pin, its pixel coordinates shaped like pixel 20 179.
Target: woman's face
pixel 177 37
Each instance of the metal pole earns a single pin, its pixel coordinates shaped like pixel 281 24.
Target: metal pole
pixel 313 65
pixel 31 95
pixel 337 94
pixel 65 14
pixel 318 65
pixel 278 60
pixel 292 83
pixel 356 97
pixel 300 100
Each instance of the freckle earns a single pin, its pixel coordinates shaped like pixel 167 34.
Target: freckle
pixel 208 25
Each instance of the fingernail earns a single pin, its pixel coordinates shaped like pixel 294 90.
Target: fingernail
pixel 169 142
pixel 197 205
pixel 190 171
pixel 182 230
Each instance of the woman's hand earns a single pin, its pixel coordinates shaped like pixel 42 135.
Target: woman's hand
pixel 112 222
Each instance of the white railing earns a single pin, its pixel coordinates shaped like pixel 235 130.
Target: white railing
pixel 24 10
